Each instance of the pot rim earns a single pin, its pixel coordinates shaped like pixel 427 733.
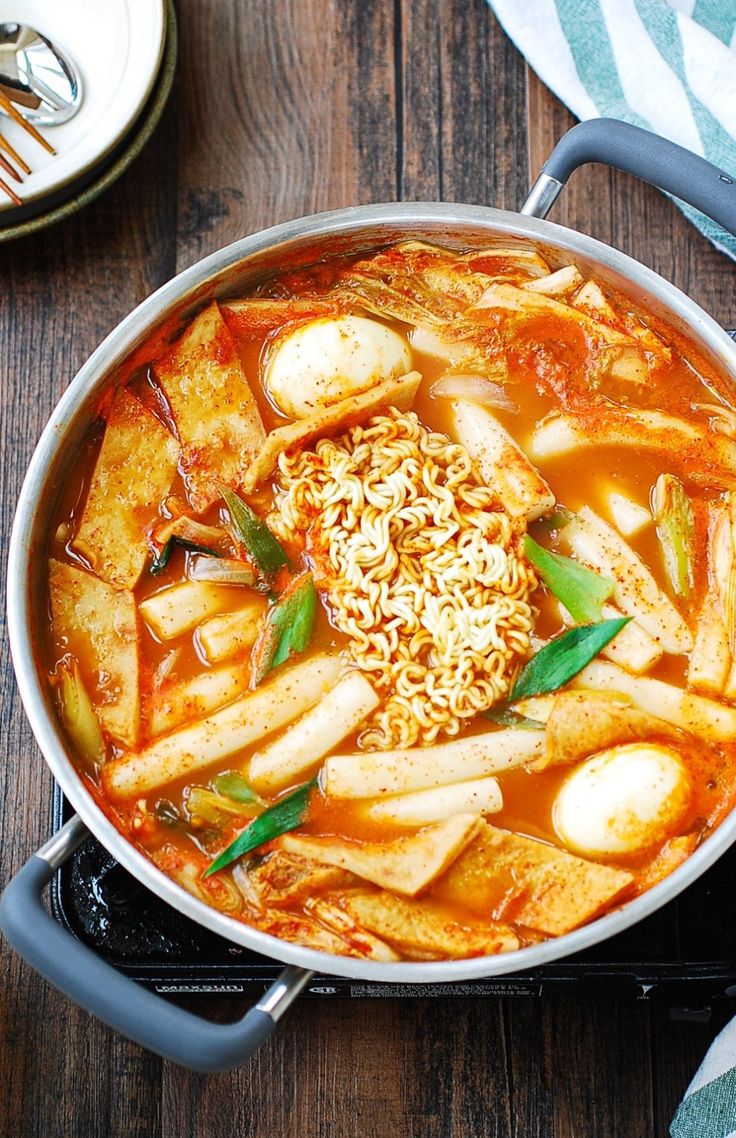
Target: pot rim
pixel 110 354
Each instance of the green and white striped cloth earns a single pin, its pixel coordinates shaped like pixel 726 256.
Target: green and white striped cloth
pixel 709 1107
pixel 666 65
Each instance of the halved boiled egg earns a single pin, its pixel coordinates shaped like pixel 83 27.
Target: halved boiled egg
pixel 329 359
pixel 622 800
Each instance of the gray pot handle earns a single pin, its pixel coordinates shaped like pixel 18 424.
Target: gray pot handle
pixel 146 1018
pixel 643 154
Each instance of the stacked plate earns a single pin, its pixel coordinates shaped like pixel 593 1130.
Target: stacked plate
pixel 125 52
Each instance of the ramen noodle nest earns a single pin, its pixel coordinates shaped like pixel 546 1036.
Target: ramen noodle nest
pixel 390 606
pixel 422 569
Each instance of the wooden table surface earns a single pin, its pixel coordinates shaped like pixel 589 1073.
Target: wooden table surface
pixel 282 109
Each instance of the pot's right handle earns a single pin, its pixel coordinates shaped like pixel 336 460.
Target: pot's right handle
pixel 645 155
pixel 141 1015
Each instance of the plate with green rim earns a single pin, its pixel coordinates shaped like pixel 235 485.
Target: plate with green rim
pixel 77 194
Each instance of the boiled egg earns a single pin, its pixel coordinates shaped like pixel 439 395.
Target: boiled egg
pixel 622 800
pixel 329 359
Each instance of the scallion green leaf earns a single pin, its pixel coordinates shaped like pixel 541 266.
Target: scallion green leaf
pixel 162 557
pixel 287 628
pixel 234 786
pixel 580 590
pixel 564 657
pixel 294 618
pixel 207 807
pixel 673 516
pixel 267 553
pixel 284 815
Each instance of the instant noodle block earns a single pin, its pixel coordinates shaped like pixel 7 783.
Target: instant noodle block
pixel 392 604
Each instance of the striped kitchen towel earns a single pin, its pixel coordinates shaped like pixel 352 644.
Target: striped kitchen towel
pixel 666 65
pixel 709 1107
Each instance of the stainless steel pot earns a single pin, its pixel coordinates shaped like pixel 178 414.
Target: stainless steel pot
pixel 71 966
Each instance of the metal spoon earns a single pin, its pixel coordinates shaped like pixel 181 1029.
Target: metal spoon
pixel 38 76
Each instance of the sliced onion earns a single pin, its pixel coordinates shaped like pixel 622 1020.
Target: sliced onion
pixel 241 877
pixel 223 570
pixel 722 418
pixel 475 388
pixel 189 529
pixel 165 667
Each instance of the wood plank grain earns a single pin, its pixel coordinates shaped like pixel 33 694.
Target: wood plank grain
pixel 456 1084
pixel 463 124
pixel 599 1086
pixel 305 112
pixel 420 43
pixel 63 291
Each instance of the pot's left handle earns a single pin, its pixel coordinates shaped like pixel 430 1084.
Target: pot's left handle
pixel 144 1017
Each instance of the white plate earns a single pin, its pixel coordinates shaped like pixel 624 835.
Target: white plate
pixel 117 46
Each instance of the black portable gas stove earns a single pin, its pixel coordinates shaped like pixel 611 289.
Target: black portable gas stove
pixel 685 953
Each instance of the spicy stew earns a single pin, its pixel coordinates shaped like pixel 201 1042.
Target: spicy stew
pixel 391 607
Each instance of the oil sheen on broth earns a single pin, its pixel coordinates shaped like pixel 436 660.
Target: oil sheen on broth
pixel 391 606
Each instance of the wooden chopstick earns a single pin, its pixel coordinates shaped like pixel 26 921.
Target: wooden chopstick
pixel 11 193
pixel 5 145
pixel 6 104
